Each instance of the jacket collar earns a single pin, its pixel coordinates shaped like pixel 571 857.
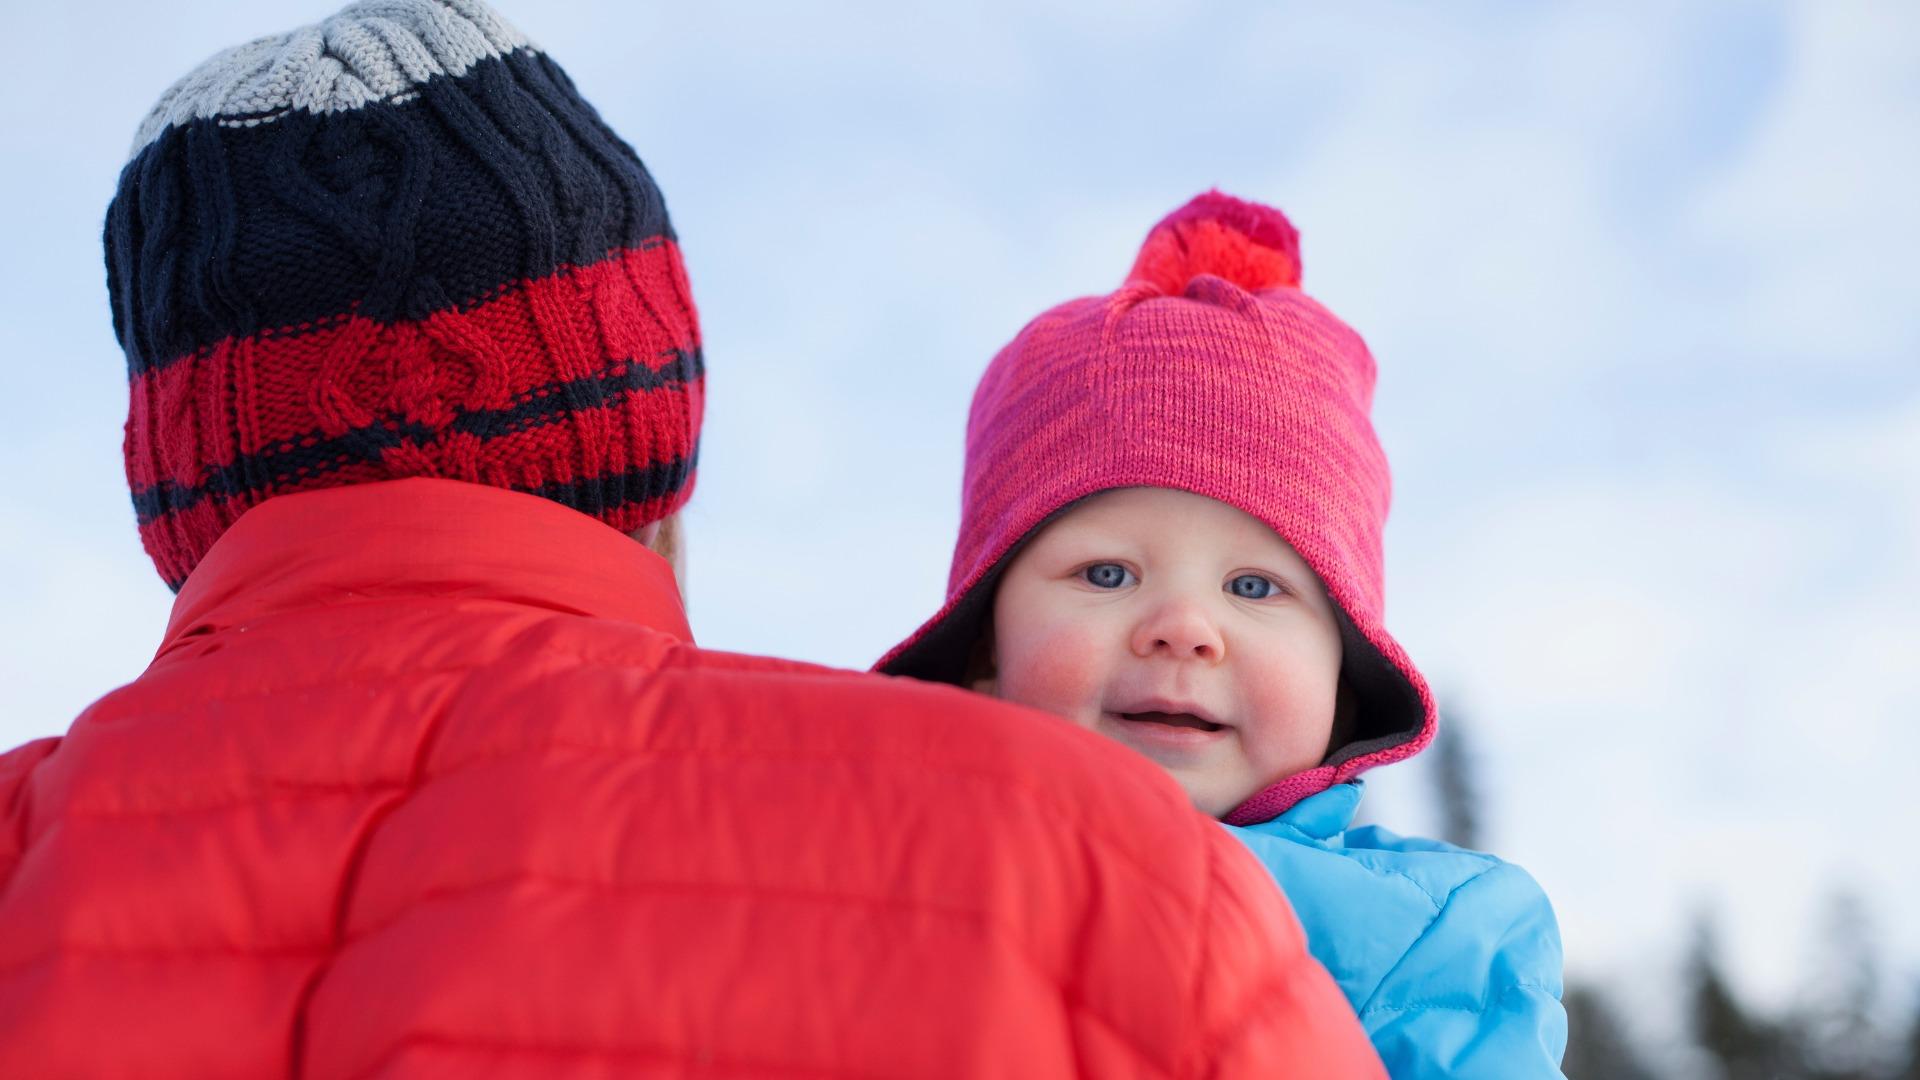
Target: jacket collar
pixel 1326 814
pixel 423 537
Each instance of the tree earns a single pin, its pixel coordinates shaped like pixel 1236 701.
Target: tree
pixel 1837 1023
pixel 1910 1070
pixel 1599 1047
pixel 1743 1045
pixel 1456 783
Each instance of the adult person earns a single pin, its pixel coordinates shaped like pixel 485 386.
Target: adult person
pixel 428 776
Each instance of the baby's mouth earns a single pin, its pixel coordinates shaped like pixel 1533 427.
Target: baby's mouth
pixel 1175 719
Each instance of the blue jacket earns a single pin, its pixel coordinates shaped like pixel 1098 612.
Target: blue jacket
pixel 1451 957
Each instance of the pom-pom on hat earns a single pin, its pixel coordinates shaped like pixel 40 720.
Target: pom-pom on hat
pixel 1251 245
pixel 1208 371
pixel 395 243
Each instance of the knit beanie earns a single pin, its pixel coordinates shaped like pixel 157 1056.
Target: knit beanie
pixel 1209 371
pixel 394 244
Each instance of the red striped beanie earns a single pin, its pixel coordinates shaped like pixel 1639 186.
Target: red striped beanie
pixel 1208 371
pixel 397 243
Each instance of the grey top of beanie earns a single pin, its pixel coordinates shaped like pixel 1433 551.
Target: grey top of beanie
pixel 374 50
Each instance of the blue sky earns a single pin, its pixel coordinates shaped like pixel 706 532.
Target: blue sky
pixel 1639 280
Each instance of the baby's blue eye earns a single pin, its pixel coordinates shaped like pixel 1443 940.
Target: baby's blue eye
pixel 1107 575
pixel 1252 587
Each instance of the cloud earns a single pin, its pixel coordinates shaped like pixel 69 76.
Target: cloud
pixel 1689 680
pixel 83 614
pixel 1816 221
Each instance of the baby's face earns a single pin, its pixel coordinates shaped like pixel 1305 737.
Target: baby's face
pixel 1181 626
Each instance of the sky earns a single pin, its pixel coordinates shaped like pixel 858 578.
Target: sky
pixel 1639 278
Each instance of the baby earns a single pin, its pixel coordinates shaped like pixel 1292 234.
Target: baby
pixel 1170 535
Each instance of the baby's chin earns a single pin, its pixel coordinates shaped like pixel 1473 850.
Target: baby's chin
pixel 1214 796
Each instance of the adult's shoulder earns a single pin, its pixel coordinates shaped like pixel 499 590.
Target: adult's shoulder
pixel 16 768
pixel 964 739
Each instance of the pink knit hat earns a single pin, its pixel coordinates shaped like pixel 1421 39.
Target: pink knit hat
pixel 1209 371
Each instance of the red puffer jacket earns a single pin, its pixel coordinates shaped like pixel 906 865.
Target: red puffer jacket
pixel 428 779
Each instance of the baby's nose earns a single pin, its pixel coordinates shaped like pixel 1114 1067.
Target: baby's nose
pixel 1180 630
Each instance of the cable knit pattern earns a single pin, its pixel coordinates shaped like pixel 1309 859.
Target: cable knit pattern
pixel 396 243
pixel 372 51
pixel 1211 372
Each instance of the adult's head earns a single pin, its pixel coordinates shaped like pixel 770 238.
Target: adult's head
pixel 395 244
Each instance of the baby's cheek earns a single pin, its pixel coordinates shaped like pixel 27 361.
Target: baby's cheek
pixel 1057 670
pixel 1294 711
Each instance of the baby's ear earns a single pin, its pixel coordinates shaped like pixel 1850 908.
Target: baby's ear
pixel 983 669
